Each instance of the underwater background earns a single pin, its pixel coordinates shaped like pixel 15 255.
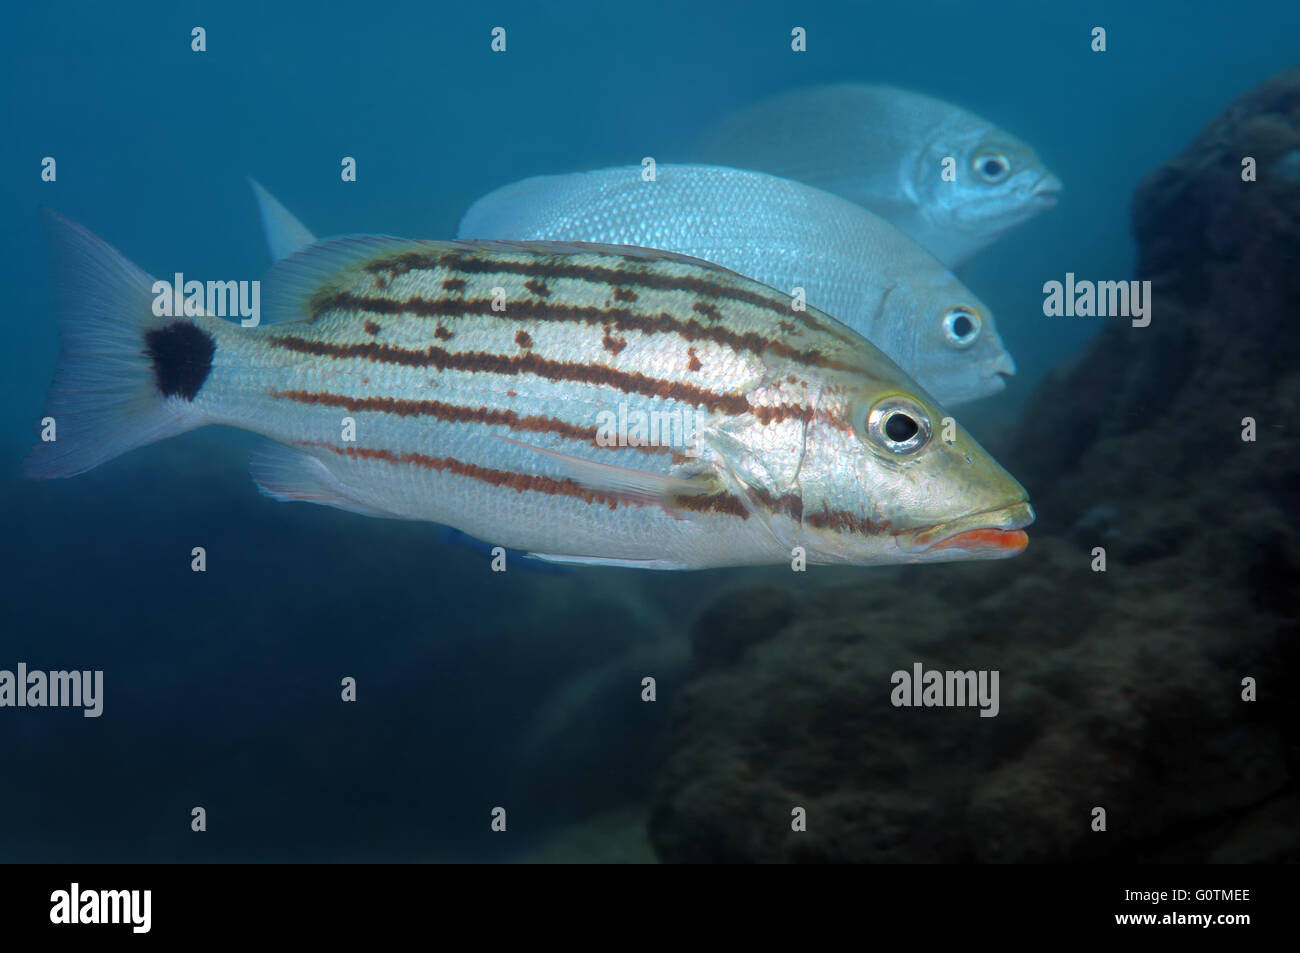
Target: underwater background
pixel 476 689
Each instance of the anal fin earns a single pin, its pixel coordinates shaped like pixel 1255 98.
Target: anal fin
pixel 294 476
pixel 604 561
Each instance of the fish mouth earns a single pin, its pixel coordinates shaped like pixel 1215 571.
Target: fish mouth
pixel 998 376
pixel 1004 368
pixel 994 383
pixel 997 533
pixel 1046 190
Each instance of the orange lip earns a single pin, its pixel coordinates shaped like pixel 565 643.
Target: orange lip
pixel 1007 542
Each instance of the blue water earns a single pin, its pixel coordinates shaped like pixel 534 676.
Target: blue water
pixel 474 689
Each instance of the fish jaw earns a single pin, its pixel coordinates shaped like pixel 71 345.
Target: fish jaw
pixel 997 375
pixel 993 534
pixel 992 378
pixel 983 544
pixel 1046 191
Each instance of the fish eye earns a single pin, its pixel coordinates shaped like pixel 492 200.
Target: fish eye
pixel 961 326
pixel 898 425
pixel 992 166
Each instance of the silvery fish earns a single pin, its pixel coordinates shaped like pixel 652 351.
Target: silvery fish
pixel 850 263
pixel 477 385
pixel 884 148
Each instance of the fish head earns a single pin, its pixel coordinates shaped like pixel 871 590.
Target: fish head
pixel 999 182
pixel 885 476
pixel 946 337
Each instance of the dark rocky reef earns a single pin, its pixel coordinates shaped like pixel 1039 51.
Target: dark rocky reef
pixel 1120 689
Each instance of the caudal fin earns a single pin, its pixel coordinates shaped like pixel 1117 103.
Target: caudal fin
pixel 125 377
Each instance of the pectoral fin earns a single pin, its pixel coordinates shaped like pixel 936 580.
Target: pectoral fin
pixel 635 486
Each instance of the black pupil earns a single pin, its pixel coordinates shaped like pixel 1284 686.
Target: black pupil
pixel 992 167
pixel 900 427
pixel 962 326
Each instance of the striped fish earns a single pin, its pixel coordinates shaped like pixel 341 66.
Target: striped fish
pixel 486 386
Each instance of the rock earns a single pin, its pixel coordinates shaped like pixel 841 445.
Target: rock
pixel 1119 690
pixel 617 836
pixel 738 620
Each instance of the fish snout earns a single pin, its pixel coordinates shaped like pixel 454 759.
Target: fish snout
pixel 1047 189
pixel 1005 365
pixel 998 374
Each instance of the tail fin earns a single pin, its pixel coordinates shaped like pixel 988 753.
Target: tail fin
pixel 125 377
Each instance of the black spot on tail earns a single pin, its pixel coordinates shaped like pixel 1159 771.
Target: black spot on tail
pixel 182 358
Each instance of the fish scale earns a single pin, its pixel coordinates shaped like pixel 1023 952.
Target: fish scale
pixel 849 262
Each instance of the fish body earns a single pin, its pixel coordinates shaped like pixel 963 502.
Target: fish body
pixel 850 263
pixel 471 384
pixel 885 149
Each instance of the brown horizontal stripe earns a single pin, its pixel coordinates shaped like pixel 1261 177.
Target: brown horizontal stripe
pixel 720 503
pixel 843 521
pixel 501 478
pixel 455 413
pixel 521 482
pixel 729 504
pixel 622 319
pixel 633 274
pixel 789 503
pixel 528 362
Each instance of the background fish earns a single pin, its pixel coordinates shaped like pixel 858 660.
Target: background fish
pixel 851 264
pixel 488 420
pixel 883 148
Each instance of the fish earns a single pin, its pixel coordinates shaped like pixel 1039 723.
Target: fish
pixel 851 264
pixel 885 149
pixel 473 385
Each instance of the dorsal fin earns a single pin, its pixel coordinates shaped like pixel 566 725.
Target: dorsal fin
pixel 292 282
pixel 284 233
